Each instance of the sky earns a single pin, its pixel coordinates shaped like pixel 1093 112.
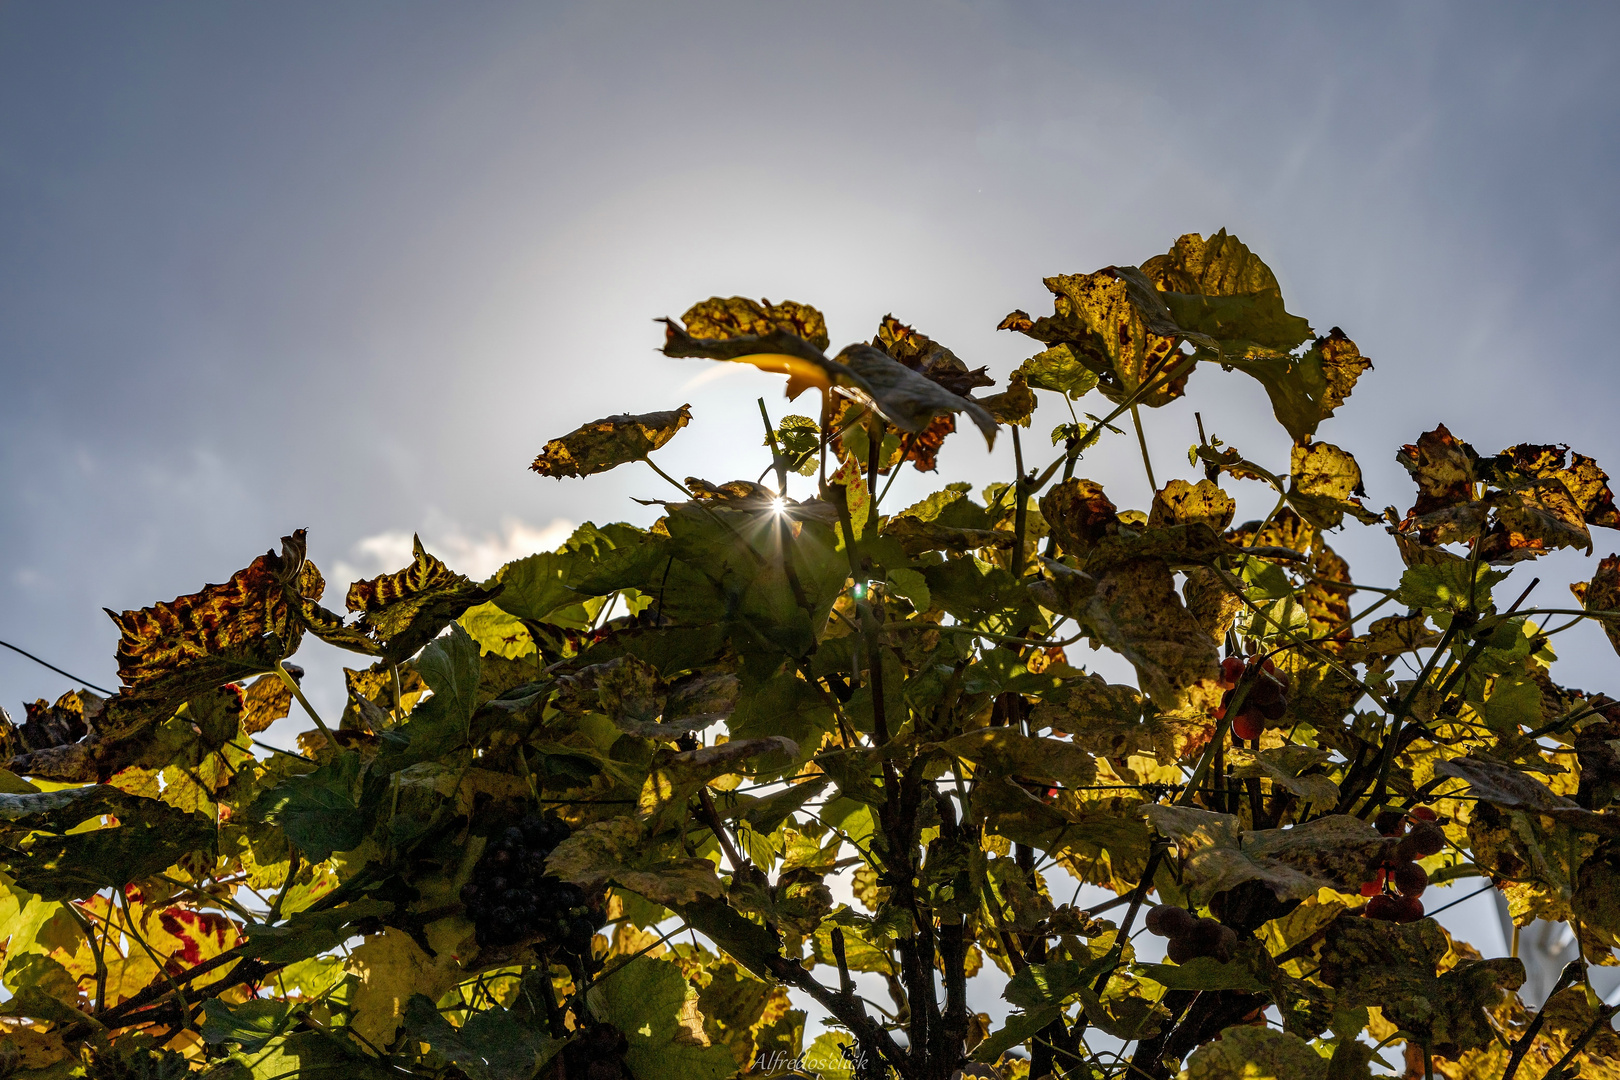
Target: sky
pixel 348 266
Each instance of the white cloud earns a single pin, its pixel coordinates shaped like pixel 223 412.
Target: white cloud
pixel 478 556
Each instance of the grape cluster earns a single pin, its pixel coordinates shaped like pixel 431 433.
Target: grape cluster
pixel 597 1053
pixel 1189 935
pixel 511 898
pixel 1265 694
pixel 1395 889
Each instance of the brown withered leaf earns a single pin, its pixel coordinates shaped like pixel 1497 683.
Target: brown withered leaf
pixel 1096 316
pixel 405 610
pixel 923 450
pixel 1079 514
pixel 1326 597
pixel 610 442
pixel 1342 364
pixel 1602 593
pixel 1014 405
pixel 225 633
pixel 1443 467
pixel 927 357
pixel 1588 485
pixel 1181 503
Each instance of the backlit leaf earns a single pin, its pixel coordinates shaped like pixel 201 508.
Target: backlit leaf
pixel 651 1002
pixel 609 442
pixel 1255 1053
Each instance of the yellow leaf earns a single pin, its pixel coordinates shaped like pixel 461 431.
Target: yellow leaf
pixel 392 968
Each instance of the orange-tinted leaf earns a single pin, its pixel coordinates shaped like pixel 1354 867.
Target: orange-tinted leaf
pixel 244 627
pixel 610 442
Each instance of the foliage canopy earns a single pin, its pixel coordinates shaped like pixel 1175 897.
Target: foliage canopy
pixel 772 745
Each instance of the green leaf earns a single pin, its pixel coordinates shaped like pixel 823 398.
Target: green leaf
pixel 150 836
pixel 250 1025
pixel 1444 586
pixel 913 586
pixel 1019 1029
pixel 1061 370
pixel 309 933
pixel 536 586
pixel 319 811
pixel 1255 1053
pixel 1202 973
pixel 490 1045
pixel 1052 983
pixel 650 1002
pixel 610 442
pixel 450 667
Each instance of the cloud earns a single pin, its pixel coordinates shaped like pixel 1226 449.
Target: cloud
pixel 476 555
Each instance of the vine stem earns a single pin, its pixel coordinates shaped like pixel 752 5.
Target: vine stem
pixel 1141 440
pixel 678 485
pixel 1521 1046
pixel 292 684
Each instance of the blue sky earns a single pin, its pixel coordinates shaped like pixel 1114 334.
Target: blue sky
pixel 348 266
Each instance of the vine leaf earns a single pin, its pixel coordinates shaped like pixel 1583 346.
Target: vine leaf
pixel 1336 852
pixel 1255 1053
pixel 908 400
pixel 1096 320
pixel 1002 751
pixel 169 652
pixel 1393 966
pixel 1220 289
pixel 652 1003
pixel 1602 593
pixel 1513 789
pixel 928 358
pixel 1325 484
pixel 1181 503
pixel 616 851
pixel 609 442
pixel 403 611
pixel 60 864
pixel 492 1044
pixel 391 969
pixel 1061 370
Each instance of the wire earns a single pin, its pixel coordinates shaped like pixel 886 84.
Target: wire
pixel 84 682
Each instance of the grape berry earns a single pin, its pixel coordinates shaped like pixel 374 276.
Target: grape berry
pixel 1189 935
pixel 1400 870
pixel 511 898
pixel 1265 695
